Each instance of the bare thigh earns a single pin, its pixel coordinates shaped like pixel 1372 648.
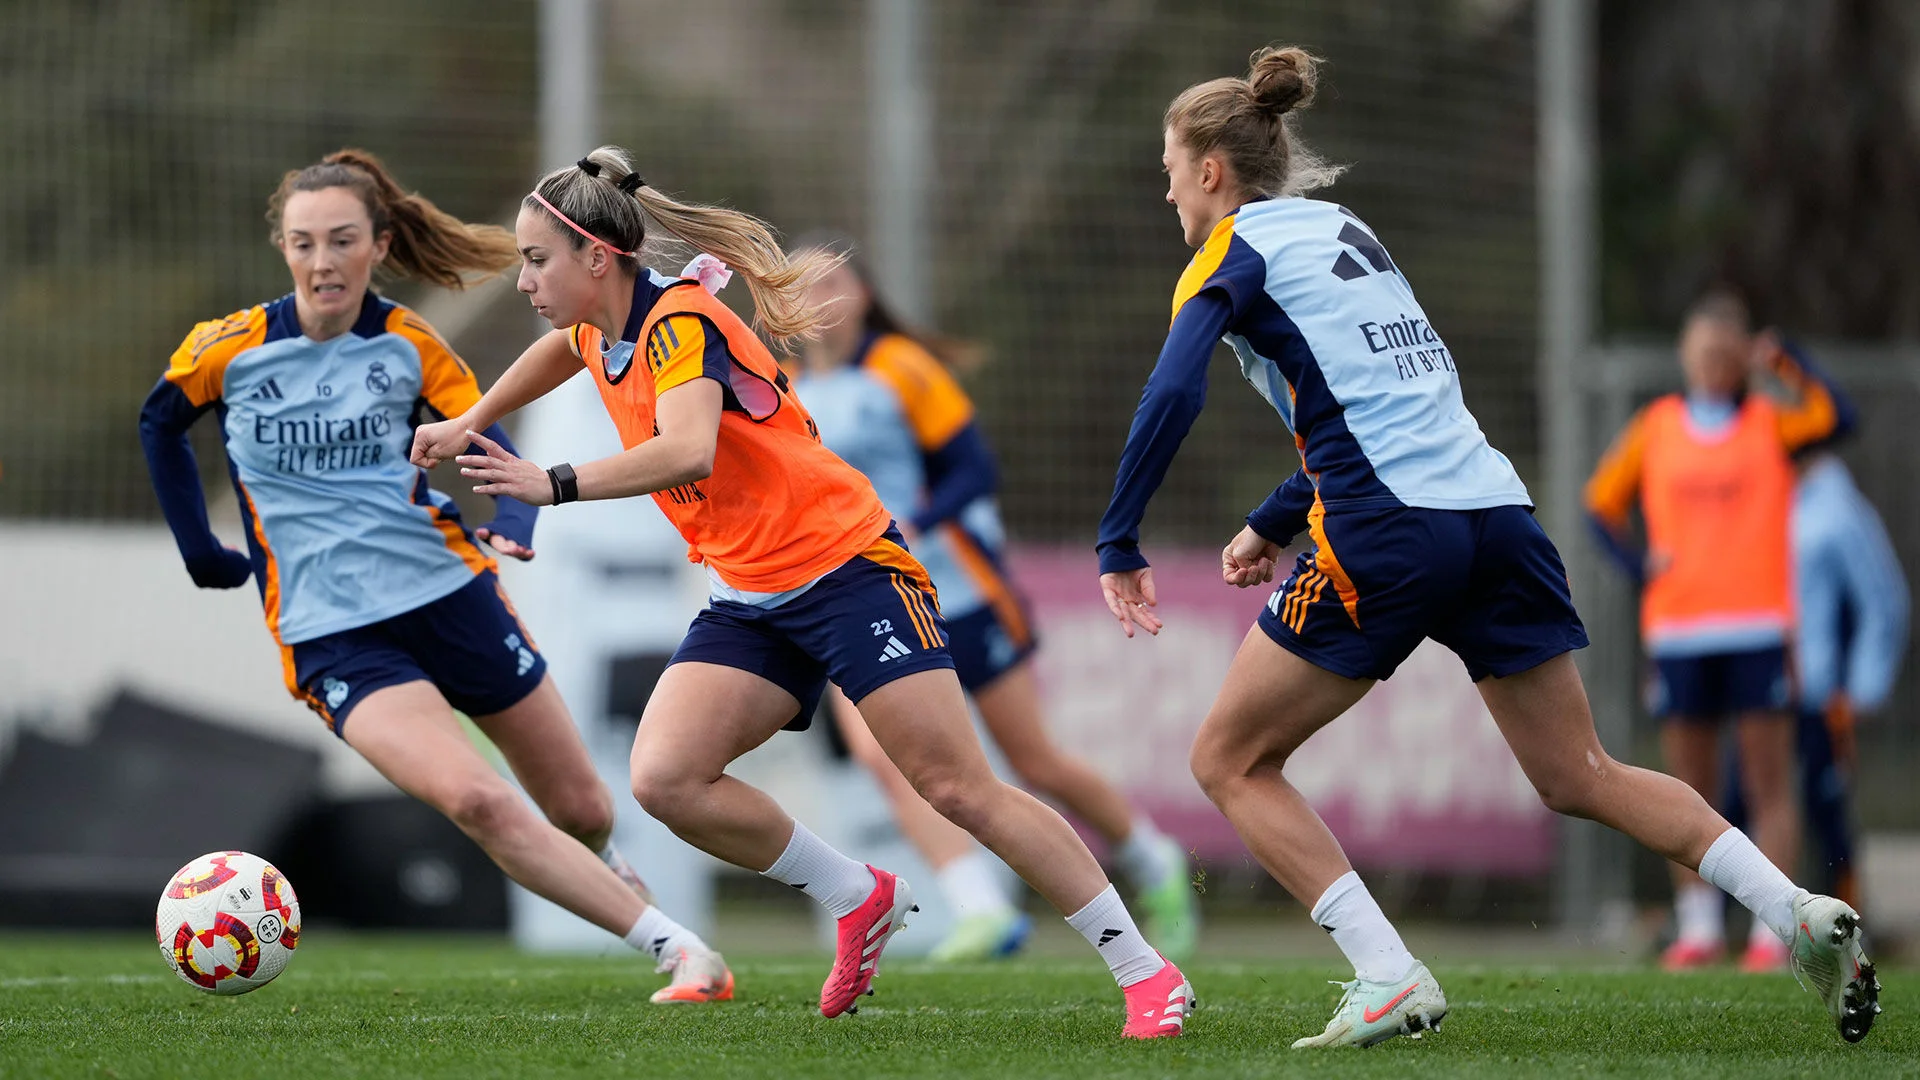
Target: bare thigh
pixel 1271 702
pixel 699 719
pixel 411 735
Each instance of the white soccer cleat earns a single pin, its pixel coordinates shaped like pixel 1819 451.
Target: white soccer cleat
pixel 1373 1012
pixel 700 976
pixel 1827 953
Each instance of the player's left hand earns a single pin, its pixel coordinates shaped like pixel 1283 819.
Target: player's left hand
pixel 1248 559
pixel 507 545
pixel 500 473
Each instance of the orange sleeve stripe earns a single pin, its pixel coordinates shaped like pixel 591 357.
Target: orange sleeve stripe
pixel 1615 484
pixel 936 407
pixel 446 382
pixel 199 366
pixel 1811 418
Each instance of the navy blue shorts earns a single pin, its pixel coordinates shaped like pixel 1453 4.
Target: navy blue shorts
pixel 871 621
pixel 1719 685
pixel 469 644
pixel 990 641
pixel 1487 584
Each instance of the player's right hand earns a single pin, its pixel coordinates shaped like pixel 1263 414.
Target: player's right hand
pixel 226 569
pixel 1130 597
pixel 441 441
pixel 1248 559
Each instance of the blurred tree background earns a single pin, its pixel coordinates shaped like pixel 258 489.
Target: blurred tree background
pixel 142 138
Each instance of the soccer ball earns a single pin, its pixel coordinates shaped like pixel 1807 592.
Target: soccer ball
pixel 228 922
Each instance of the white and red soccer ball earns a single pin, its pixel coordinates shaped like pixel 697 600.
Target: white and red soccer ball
pixel 228 922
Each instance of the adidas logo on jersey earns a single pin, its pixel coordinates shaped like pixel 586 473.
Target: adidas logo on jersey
pixel 1347 268
pixel 267 391
pixel 894 650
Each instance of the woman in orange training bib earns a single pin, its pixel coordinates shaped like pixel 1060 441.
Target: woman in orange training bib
pixel 1710 473
pixel 809 579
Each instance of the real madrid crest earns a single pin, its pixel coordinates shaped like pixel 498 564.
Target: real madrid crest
pixel 378 381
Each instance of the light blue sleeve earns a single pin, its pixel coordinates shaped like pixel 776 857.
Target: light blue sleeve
pixel 1820 592
pixel 1876 589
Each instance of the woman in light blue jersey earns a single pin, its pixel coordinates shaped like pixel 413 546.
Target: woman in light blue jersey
pixel 886 400
pixel 384 605
pixel 1418 529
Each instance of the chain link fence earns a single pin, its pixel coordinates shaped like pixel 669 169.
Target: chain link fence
pixel 143 140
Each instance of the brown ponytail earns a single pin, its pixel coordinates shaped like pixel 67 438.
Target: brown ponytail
pixel 1250 121
pixel 428 244
pixel 604 196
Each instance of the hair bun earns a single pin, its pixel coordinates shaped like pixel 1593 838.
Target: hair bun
pixel 1281 79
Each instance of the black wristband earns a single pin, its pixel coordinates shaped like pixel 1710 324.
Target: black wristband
pixel 566 486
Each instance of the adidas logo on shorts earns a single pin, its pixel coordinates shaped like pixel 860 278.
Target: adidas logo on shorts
pixel 894 650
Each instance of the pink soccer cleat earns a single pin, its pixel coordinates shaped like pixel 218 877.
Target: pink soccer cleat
pixel 1157 1006
pixel 1684 955
pixel 1765 956
pixel 864 932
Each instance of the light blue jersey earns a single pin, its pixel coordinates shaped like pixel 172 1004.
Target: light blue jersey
pixel 344 530
pixel 1326 328
pixel 1852 597
pixel 896 414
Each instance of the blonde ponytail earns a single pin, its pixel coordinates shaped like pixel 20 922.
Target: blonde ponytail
pixel 605 197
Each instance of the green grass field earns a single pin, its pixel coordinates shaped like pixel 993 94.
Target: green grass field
pixel 418 1006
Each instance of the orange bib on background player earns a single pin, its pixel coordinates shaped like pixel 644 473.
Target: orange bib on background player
pixel 779 510
pixel 1718 507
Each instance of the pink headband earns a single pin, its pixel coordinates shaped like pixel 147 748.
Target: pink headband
pixel 571 224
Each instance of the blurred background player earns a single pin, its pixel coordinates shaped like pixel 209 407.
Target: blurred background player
pixel 1711 473
pixel 386 609
pixel 1851 604
pixel 809 580
pixel 887 401
pixel 1420 529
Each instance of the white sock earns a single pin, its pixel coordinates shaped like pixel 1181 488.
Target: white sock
pixel 1107 926
pixel 1699 915
pixel 1348 912
pixel 1734 864
pixel 1761 933
pixel 660 937
pixel 973 885
pixel 836 882
pixel 1147 857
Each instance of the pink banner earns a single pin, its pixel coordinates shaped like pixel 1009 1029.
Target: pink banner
pixel 1415 776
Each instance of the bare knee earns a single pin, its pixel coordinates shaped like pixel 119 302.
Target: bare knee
pixel 485 809
pixel 667 795
pixel 585 813
pixel 1577 789
pixel 1216 764
pixel 965 801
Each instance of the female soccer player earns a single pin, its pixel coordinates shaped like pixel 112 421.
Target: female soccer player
pixel 386 609
pixel 887 402
pixel 1419 529
pixel 1710 472
pixel 809 578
